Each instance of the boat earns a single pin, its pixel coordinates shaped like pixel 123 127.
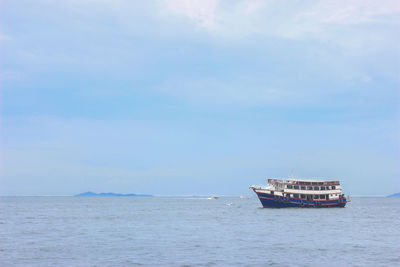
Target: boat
pixel 214 197
pixel 300 193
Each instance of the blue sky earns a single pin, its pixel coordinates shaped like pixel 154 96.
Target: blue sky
pixel 198 97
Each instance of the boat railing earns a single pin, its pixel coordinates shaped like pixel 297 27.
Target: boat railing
pixel 259 187
pixel 300 182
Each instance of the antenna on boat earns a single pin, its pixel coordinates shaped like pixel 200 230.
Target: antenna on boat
pixel 291 174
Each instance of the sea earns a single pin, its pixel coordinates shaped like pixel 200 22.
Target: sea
pixel 195 231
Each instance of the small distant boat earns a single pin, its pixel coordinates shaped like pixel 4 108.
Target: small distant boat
pixel 214 197
pixel 300 193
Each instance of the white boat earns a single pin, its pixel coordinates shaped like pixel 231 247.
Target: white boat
pixel 300 193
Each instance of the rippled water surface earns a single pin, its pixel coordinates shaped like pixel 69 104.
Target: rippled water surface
pixel 129 231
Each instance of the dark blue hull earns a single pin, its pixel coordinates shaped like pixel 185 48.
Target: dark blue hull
pixel 273 201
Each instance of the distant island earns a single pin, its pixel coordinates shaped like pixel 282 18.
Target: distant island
pixel 394 195
pixel 91 194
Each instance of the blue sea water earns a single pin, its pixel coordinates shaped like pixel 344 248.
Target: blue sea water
pixel 179 231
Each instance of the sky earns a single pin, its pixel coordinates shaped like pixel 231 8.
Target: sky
pixel 201 97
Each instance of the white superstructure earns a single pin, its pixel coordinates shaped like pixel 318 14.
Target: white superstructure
pixel 302 189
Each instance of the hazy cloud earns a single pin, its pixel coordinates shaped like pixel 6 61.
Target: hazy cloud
pixel 188 96
pixel 282 18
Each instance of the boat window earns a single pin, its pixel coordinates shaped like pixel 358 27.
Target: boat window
pixel 296 187
pixel 322 196
pixel 296 195
pixel 333 187
pixel 303 188
pixel 327 196
pixel 316 196
pixel 322 187
pixel 303 196
pixel 289 186
pixel 327 188
pixel 316 187
pixel 309 187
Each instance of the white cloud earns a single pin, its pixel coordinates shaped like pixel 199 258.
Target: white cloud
pixel 200 11
pixel 281 18
pixel 125 37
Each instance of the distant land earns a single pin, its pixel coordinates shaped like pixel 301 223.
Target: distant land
pixel 91 194
pixel 394 195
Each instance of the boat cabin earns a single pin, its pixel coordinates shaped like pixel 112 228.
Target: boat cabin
pixel 305 189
